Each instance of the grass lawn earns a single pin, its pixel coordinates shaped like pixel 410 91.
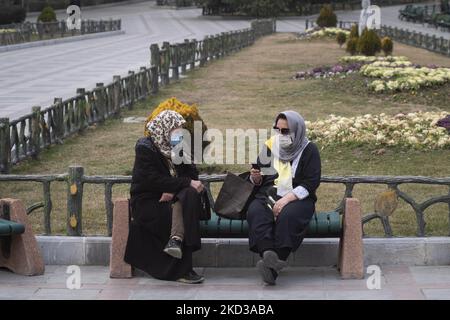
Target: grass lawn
pixel 246 90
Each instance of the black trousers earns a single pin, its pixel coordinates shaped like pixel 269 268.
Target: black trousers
pixel 282 235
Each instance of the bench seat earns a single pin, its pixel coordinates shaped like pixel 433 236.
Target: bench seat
pixel 322 225
pixel 8 228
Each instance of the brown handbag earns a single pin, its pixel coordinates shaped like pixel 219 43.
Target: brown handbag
pixel 234 197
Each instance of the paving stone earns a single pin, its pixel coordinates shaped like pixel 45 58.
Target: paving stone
pixel 65 294
pixel 431 274
pixel 437 294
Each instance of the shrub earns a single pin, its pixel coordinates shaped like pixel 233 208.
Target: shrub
pixel 354 31
pixel 189 113
pixel 47 15
pixel 369 43
pixel 352 44
pixel 11 14
pixel 387 45
pixel 261 8
pixel 341 37
pixel 327 18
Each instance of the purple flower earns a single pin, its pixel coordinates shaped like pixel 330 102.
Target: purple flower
pixel 445 123
pixel 354 66
pixel 329 71
pixel 300 74
pixel 337 69
pixel 317 70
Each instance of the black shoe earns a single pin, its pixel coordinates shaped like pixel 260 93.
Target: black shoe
pixel 268 275
pixel 272 261
pixel 192 278
pixel 173 248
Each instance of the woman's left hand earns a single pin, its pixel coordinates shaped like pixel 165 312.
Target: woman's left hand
pixel 166 197
pixel 279 205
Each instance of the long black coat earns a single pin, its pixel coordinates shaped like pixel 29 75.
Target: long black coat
pixel 150 219
pixel 287 231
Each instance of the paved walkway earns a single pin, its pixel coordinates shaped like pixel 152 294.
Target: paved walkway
pixel 397 282
pixel 34 76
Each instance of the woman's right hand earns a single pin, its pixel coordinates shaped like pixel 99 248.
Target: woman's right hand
pixel 256 176
pixel 197 185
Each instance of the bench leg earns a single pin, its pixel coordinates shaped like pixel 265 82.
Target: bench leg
pixel 117 267
pixel 351 256
pixel 25 255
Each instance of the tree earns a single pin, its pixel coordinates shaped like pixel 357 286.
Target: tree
pixel 327 18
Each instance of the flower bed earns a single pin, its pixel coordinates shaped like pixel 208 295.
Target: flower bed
pixel 370 59
pixel 324 32
pixel 398 73
pixel 413 130
pixel 394 73
pixel 329 71
pixel 7 30
pixel 405 78
pixel 351 64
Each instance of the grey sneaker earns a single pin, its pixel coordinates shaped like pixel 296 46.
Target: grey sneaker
pixel 271 260
pixel 268 275
pixel 173 248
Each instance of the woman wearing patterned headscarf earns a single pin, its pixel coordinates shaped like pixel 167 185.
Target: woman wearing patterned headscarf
pixel 285 197
pixel 165 205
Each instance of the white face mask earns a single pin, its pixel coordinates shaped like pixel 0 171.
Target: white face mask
pixel 285 141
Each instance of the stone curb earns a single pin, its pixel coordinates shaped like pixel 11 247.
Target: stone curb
pixel 60 40
pixel 62 250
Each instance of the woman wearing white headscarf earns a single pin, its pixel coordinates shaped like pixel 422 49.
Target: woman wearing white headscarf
pixel 165 205
pixel 277 229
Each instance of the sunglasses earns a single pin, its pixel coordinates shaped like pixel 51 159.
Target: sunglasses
pixel 283 131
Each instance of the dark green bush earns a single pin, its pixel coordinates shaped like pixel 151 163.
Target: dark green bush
pixel 369 43
pixel 327 18
pixel 341 37
pixel 11 14
pixel 354 32
pixel 387 45
pixel 352 45
pixel 47 15
pixel 262 8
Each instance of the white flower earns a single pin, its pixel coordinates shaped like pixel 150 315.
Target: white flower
pixel 416 130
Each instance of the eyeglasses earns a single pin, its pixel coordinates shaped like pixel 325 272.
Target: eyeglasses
pixel 283 131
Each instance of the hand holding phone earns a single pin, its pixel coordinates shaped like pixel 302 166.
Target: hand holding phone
pixel 255 173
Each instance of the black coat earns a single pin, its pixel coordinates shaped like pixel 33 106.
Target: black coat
pixel 287 231
pixel 307 174
pixel 150 219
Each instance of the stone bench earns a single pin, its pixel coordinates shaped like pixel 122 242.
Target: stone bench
pixel 19 251
pixel 350 261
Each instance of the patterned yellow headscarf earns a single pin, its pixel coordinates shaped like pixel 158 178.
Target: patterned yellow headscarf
pixel 160 128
